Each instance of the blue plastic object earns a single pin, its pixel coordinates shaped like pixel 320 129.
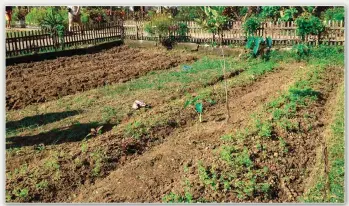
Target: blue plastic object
pixel 186 67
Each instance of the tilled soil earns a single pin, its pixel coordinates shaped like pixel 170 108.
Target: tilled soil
pixel 43 81
pixel 119 150
pixel 150 176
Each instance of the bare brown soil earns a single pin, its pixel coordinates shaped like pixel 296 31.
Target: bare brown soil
pixel 150 176
pixel 147 168
pixel 43 81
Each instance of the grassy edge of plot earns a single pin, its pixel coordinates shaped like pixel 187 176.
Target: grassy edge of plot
pixel 335 143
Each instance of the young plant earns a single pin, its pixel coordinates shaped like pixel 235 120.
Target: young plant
pixel 198 106
pixel 214 21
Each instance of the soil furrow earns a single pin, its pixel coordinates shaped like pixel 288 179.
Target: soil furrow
pixel 150 176
pixel 49 80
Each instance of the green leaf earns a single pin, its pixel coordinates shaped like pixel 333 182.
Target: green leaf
pixel 198 107
pixel 269 41
pixel 250 42
pixel 187 103
pixel 256 46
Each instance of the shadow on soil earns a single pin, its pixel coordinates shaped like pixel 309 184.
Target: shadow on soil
pixel 73 133
pixel 39 120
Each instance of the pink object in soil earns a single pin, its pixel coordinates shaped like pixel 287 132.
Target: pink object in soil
pixel 138 104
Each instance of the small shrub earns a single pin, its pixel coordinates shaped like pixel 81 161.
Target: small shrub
pixel 301 50
pixel 289 14
pixel 251 25
pixel 336 14
pixel 35 16
pixel 308 24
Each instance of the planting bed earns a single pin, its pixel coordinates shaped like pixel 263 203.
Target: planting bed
pixel 266 152
pixel 43 81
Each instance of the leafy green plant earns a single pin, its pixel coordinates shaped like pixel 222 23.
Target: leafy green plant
pixel 42 185
pixel 251 25
pixel 19 14
pixel 270 12
pixel 198 106
pixel 302 51
pixel 135 130
pixel 259 46
pixel 53 22
pixel 308 24
pixel 98 158
pixel 336 14
pixel 21 193
pixel 213 20
pixel 36 15
pixel 159 26
pixel 289 14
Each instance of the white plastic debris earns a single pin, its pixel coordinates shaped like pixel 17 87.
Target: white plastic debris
pixel 138 104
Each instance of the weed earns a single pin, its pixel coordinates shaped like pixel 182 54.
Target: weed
pixel 226 153
pixel 244 158
pixel 23 169
pixel 135 130
pixel 21 193
pixel 52 163
pixel 208 177
pixel 84 146
pixel 98 158
pixel 39 148
pixel 42 185
pixel 264 128
pixel 108 114
pixel 173 198
pixel 227 137
pixel 283 144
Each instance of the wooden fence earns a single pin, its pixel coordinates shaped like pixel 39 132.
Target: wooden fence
pixel 282 33
pixel 28 42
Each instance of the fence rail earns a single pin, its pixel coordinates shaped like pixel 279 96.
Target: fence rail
pixel 26 42
pixel 284 33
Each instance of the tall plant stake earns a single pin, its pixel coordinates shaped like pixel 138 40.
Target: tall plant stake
pixel 225 81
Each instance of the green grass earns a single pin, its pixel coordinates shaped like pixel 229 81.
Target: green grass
pixel 335 145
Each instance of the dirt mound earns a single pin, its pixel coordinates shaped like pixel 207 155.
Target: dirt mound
pixel 30 83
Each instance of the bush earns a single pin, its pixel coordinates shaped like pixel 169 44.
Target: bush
pixel 95 15
pixel 301 50
pixel 159 25
pixel 336 14
pixel 188 13
pixel 289 14
pixel 53 22
pixel 251 25
pixel 270 12
pixel 19 14
pixel 35 16
pixel 308 24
